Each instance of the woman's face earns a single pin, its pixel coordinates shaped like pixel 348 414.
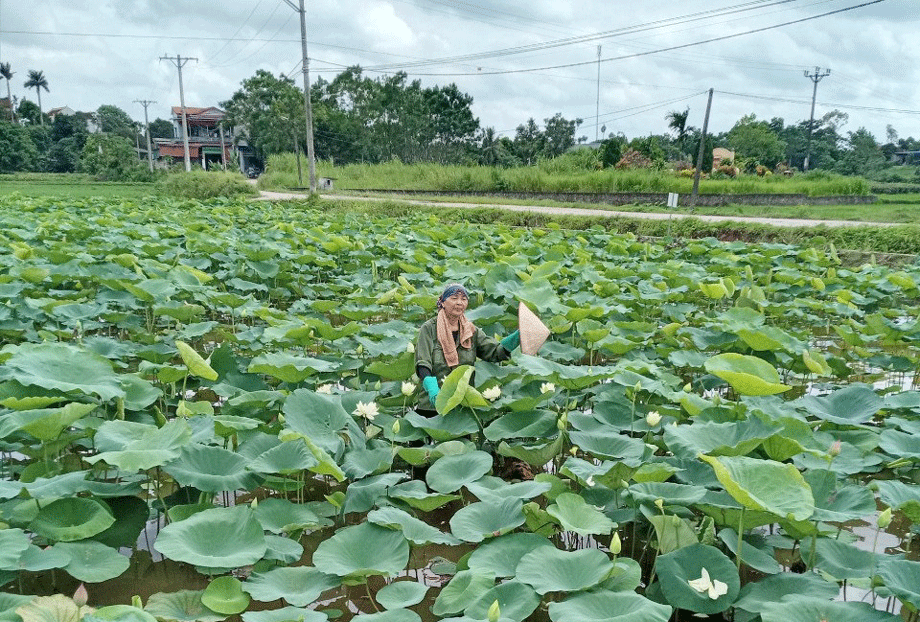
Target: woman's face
pixel 455 305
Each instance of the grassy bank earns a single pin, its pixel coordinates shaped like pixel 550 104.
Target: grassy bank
pixel 564 174
pixel 71 185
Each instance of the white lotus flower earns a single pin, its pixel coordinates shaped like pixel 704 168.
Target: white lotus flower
pixel 590 481
pixel 408 388
pixel 653 418
pixel 705 584
pixel 492 393
pixel 368 410
pixel 547 387
pixel 325 389
pixel 410 348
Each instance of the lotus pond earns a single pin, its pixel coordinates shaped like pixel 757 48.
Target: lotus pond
pixel 207 415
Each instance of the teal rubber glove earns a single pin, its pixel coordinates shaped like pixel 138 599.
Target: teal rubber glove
pixel 512 341
pixel 431 386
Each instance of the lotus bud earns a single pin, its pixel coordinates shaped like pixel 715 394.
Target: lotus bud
pixel 281 419
pixel 396 427
pixel 638 386
pixel 573 450
pixel 572 404
pixel 254 503
pixel 659 503
pixel 408 388
pixel 136 602
pixel 834 449
pixel 687 388
pixel 615 544
pixel 884 519
pixel 81 596
pixel 590 481
pixel 562 422
pixel 359 350
pixel 410 348
pixel 494 611
pixel 653 418
pixel 377 386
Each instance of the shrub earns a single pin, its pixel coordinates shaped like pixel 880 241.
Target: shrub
pixel 206 185
pixel 633 159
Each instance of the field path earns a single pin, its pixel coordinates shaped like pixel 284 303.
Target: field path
pixel 582 211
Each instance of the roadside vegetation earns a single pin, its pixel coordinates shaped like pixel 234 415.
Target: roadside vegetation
pixel 203 185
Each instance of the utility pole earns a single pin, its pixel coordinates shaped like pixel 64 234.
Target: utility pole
pixel 699 155
pixel 814 77
pixel 223 148
pixel 308 108
pixel 145 103
pixel 597 105
pixel 178 61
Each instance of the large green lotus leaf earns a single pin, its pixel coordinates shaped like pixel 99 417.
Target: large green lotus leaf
pixel 414 530
pixel 196 365
pixel 528 424
pixel 574 514
pixel 318 417
pixel 626 576
pixel 45 424
pixel 181 606
pixel 288 368
pixel 450 473
pixel 325 464
pixel 534 455
pixel 401 594
pixel 899 444
pixel 675 571
pixel 572 377
pixel 286 614
pixel 13 543
pixel 119 613
pixel 139 393
pixel 283 516
pixel 755 597
pixel 454 389
pixel 283 459
pixel 609 445
pixel 669 492
pixel 212 469
pixel 673 532
pixel 9 603
pixel 465 587
pixel 765 485
pixel 360 462
pixel 284 550
pixel 61 367
pixel 736 438
pixel 838 502
pixel 395 615
pixel 747 375
pixel 56 608
pixel 482 520
pixel 490 488
pixel 772 339
pixel 605 606
pixel 92 562
pixel 216 538
pixel 415 494
pixel 851 405
pixel 36 559
pixel 841 560
pixel 902 578
pixel 155 447
pixel 499 557
pixel 399 368
pixel 363 550
pixel 754 551
pixel 447 427
pixel 516 601
pixel 364 494
pixel 73 518
pixel 900 496
pixel 225 595
pixel 812 609
pixel 551 570
pixel 132 515
pixel 298 585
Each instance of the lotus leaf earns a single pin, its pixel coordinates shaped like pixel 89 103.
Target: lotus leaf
pixel 754 551
pixel 747 375
pixel 799 607
pixel 626 576
pixel 453 425
pixel 670 493
pixel 765 485
pixel 413 529
pixel 415 494
pixel 72 518
pixel 676 570
pixel 119 613
pixel 132 515
pixel 61 367
pixel 285 614
pixel 851 405
pixel 526 424
pixel 13 543
pixel 284 550
pixel 516 601
pixel 45 424
pixel 299 585
pixel 499 557
pixel 9 603
pixel 900 496
pixel 364 494
pixel 363 550
pixel 286 458
pixel 718 439
pixel 212 469
pixel 196 365
pixel 401 594
pixel 902 578
pixel 574 514
pixel 288 368
pixel 899 444
pixel 841 560
pixel 92 562
pixel 56 608
pixel 394 615
pixel 36 559
pixel 755 597
pixel 360 462
pixel 494 488
pixel 216 538
pixel 450 473
pixel 604 606
pixel 482 520
pixel 283 516
pixel 552 570
pixel 673 532
pixel 155 447
pixel 466 587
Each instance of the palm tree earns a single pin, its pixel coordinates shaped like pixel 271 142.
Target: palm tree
pixel 38 82
pixel 7 73
pixel 677 121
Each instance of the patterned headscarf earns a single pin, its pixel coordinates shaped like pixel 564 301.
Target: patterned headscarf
pixel 445 334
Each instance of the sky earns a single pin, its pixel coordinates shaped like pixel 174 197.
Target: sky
pixel 518 60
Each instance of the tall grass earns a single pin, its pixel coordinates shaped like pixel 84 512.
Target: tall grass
pixel 203 185
pixel 573 172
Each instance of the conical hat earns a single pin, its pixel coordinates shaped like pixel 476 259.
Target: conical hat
pixel 533 331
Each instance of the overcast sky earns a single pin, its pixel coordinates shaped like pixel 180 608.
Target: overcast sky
pixel 516 59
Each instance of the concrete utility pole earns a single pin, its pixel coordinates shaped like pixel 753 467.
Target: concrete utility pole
pixel 145 103
pixel 814 77
pixel 597 105
pixel 178 61
pixel 699 156
pixel 308 108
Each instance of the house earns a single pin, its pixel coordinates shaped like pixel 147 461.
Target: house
pixel 91 126
pixel 64 110
pixel 721 153
pixel 206 135
pixel 906 157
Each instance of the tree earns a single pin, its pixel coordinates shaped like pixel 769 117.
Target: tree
pixel 7 73
pixel 863 156
pixel 161 128
pixel 17 151
pixel 677 121
pixel 68 137
pixel 612 150
pixel 756 142
pixel 452 122
pixel 559 135
pixel 254 110
pixel 114 120
pixel 108 157
pixel 38 82
pixel 528 142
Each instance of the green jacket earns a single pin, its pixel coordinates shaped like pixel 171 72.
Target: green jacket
pixel 430 354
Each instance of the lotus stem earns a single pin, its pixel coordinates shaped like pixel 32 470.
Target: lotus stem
pixel 740 540
pixel 367 587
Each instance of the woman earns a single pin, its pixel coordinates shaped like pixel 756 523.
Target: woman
pixel 449 340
